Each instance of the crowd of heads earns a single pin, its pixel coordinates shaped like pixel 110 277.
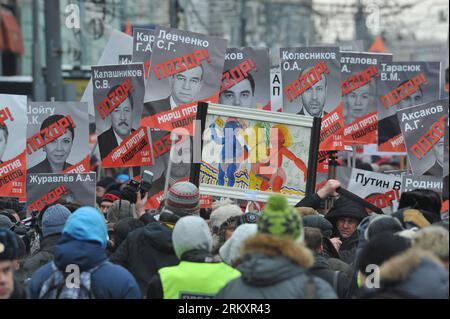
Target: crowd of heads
pixel 407 250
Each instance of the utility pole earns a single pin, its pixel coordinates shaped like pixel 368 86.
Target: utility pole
pixel 53 50
pixel 173 13
pixel 243 22
pixel 361 30
pixel 37 69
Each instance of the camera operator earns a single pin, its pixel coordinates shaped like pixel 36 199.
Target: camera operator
pixel 137 193
pixel 52 221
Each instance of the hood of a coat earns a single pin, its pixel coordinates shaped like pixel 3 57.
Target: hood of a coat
pixel 416 272
pixel 159 236
pixel 267 260
pixel 85 255
pixel 191 233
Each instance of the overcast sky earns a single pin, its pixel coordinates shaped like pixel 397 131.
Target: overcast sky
pixel 422 19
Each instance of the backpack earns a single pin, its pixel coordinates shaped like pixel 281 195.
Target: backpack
pixel 55 286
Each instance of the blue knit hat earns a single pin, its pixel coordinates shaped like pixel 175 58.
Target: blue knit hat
pixel 54 219
pixel 87 224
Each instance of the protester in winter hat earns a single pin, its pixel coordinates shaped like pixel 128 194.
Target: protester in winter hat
pixel 378 250
pixel 197 275
pixel 275 262
pixel 218 223
pixel 83 244
pixel 108 199
pixel 9 287
pixel 345 216
pixel 279 219
pixel 230 252
pixel 120 209
pixel 412 274
pixel 434 239
pixel 382 223
pixel 52 225
pixel 183 199
pixel 227 228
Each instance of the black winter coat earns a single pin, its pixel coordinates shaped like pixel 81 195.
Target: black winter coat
pixel 145 251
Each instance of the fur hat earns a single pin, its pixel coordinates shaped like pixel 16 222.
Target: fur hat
pixel 221 214
pixel 434 239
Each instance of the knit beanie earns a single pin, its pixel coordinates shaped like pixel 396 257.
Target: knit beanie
pixel 183 199
pixel 120 209
pixel 111 196
pixel 54 219
pixel 281 220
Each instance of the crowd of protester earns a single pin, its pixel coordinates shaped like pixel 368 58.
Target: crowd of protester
pixel 120 250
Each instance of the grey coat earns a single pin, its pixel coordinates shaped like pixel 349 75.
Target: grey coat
pixel 42 257
pixel 274 268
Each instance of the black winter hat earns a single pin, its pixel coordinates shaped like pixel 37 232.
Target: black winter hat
pixel 382 223
pixel 8 245
pixel 344 207
pixel 382 247
pixel 318 221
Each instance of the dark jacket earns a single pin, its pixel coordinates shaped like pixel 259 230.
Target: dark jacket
pixel 44 167
pixel 19 291
pixel 44 255
pixel 312 201
pixel 145 251
pixel 347 251
pixel 274 268
pixel 337 279
pixel 156 107
pixel 415 274
pixel 109 281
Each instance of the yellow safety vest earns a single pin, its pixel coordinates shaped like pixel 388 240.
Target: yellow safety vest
pixel 190 280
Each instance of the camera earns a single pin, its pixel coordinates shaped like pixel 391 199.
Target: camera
pixel 29 231
pixel 133 187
